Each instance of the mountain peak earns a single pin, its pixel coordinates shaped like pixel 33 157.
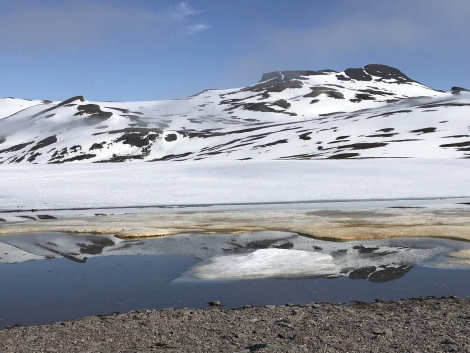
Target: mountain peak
pixel 369 72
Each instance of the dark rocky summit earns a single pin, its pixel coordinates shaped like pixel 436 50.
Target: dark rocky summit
pixel 383 71
pixel 457 90
pixel 418 325
pixel 366 73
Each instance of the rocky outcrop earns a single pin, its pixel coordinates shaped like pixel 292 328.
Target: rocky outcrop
pixel 374 71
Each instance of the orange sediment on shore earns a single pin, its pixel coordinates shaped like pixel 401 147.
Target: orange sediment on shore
pixel 336 225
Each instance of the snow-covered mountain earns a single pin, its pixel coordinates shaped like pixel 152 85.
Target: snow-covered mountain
pixel 371 112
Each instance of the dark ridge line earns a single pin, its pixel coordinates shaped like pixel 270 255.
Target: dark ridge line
pixel 63 103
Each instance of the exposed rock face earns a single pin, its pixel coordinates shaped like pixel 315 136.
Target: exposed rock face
pixel 46 142
pixel 457 90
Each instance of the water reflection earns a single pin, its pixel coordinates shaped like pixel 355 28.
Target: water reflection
pixel 47 277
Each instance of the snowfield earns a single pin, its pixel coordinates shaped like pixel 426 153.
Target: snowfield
pixel 138 184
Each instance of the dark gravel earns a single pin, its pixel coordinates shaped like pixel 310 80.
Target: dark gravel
pixel 417 325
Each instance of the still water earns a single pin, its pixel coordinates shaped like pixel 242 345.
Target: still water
pixel 56 281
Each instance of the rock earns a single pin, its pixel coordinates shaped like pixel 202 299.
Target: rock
pixel 456 90
pixel 45 216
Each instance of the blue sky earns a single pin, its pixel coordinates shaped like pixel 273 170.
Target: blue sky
pixel 160 49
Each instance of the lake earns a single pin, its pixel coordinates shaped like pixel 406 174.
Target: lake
pixel 48 277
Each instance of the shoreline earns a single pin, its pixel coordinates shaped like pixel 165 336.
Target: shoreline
pixel 346 224
pixel 414 325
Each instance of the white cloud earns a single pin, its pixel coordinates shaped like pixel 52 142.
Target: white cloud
pixel 183 10
pixel 197 28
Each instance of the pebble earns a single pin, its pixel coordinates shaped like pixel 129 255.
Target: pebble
pixel 421 325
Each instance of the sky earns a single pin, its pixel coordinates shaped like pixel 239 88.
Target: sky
pixel 129 50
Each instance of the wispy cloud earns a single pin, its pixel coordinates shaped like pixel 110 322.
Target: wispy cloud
pixel 183 10
pixel 193 29
pixel 94 24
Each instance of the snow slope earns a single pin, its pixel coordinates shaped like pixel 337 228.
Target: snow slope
pixel 371 112
pixel 10 106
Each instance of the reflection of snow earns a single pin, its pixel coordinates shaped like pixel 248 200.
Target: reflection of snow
pixel 250 255
pixel 267 263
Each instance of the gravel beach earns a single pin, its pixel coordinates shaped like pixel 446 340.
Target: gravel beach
pixel 415 325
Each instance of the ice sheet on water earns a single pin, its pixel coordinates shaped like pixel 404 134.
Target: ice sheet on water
pixel 267 263
pixel 52 186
